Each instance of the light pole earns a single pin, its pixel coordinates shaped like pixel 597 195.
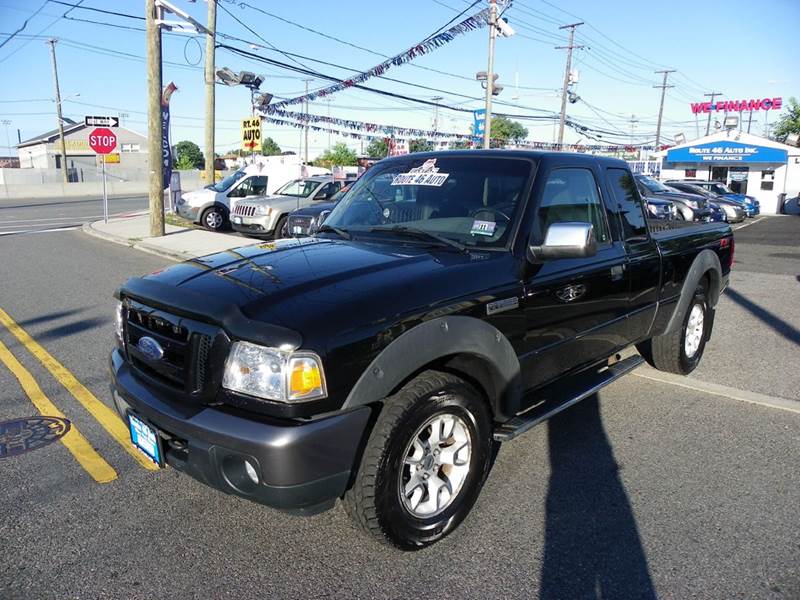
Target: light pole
pixel 6 123
pixel 488 77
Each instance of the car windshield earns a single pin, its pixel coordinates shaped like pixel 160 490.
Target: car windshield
pixel 653 185
pixel 299 187
pixel 720 188
pixel 225 184
pixel 470 200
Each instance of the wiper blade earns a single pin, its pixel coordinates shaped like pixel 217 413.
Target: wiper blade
pixel 421 233
pixel 342 233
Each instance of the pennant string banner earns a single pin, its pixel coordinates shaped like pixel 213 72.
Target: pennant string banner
pixel 368 132
pixel 472 23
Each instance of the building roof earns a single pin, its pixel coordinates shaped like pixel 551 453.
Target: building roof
pixel 734 136
pixel 46 138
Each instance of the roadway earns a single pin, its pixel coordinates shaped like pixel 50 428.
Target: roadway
pixel 39 215
pixel 650 490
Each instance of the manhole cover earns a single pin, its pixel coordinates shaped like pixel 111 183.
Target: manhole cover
pixel 23 435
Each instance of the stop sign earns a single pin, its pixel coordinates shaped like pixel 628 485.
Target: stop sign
pixel 102 140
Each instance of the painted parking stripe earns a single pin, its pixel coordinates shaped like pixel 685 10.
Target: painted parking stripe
pixel 94 464
pixel 102 413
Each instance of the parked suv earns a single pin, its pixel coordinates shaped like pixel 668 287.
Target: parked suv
pixel 751 206
pixel 266 217
pixel 689 207
pixel 305 221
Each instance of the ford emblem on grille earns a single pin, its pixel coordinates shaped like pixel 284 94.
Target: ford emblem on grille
pixel 150 348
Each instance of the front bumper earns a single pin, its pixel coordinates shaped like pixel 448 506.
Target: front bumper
pixel 302 466
pixel 188 212
pixel 256 225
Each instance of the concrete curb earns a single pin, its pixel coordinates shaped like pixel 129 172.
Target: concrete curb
pixel 141 246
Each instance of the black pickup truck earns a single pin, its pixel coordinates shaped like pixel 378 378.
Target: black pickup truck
pixel 451 301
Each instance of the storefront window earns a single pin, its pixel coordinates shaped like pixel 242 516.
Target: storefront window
pixel 767 179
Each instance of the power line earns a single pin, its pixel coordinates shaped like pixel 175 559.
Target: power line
pixel 24 24
pixel 45 28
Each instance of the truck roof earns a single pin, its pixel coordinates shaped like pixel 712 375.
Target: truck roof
pixel 539 155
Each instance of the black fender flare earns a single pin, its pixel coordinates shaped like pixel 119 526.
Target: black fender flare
pixel 706 261
pixel 437 339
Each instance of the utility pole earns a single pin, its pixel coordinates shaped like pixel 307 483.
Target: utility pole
pixel 6 123
pixel 328 100
pixel 713 95
pixel 633 120
pixel 61 142
pixel 210 91
pixel 436 99
pixel 663 87
pixel 569 47
pixel 154 123
pixel 487 130
pixel 749 120
pixel 305 127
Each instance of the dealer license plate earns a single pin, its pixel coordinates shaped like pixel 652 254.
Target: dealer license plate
pixel 237 220
pixel 146 439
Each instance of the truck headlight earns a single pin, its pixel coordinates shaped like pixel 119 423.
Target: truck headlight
pixel 274 374
pixel 262 210
pixel 119 319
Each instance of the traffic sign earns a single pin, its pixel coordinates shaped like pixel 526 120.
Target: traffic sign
pixel 102 140
pixel 101 121
pixel 251 133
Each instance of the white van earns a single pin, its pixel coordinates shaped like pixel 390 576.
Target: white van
pixel 212 205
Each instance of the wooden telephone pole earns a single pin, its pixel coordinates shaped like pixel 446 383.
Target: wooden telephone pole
pixel 663 87
pixel 210 98
pixel 569 47
pixel 154 123
pixel 61 142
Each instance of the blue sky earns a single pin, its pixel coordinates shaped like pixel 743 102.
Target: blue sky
pixel 745 49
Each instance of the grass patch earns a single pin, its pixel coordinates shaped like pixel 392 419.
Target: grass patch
pixel 179 221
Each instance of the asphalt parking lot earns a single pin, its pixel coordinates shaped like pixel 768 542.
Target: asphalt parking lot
pixel 650 489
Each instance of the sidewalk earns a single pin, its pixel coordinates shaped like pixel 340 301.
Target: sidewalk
pixel 179 243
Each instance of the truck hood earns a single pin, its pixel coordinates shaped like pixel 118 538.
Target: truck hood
pixel 199 197
pixel 318 286
pixel 276 200
pixel 314 209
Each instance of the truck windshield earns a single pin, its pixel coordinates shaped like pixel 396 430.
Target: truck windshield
pixel 299 187
pixel 225 184
pixel 653 185
pixel 720 188
pixel 471 200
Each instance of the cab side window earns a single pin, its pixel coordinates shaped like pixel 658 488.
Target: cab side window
pixel 629 204
pixel 252 186
pixel 572 195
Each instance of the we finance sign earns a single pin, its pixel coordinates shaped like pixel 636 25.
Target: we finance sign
pixel 737 105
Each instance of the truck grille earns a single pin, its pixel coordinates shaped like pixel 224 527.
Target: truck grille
pixel 243 210
pixel 297 225
pixel 185 364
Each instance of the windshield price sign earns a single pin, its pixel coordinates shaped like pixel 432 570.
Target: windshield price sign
pixel 251 133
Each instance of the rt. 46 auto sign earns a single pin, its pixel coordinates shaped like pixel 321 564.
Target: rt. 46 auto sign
pixel 251 133
pixel 102 140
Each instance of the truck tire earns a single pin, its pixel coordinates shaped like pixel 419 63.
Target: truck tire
pixel 213 218
pixel 424 463
pixel 680 351
pixel 280 229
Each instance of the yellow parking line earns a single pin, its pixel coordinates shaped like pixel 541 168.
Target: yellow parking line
pixel 104 415
pixel 82 450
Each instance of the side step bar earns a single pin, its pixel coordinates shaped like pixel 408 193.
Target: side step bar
pixel 553 402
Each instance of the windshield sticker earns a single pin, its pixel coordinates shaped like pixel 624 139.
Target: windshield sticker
pixel 483 228
pixel 427 174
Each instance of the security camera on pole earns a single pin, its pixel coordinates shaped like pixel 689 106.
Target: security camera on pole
pixel 489 77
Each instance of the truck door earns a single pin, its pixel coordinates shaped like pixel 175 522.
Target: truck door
pixel 644 261
pixel 574 308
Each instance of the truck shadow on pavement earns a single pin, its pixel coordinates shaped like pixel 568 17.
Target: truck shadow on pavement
pixel 592 546
pixel 775 322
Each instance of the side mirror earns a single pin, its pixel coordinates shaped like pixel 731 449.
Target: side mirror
pixel 565 240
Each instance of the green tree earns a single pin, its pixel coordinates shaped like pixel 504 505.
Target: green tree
pixel 269 147
pixel 340 156
pixel 505 130
pixel 378 148
pixel 188 156
pixel 789 121
pixel 420 145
